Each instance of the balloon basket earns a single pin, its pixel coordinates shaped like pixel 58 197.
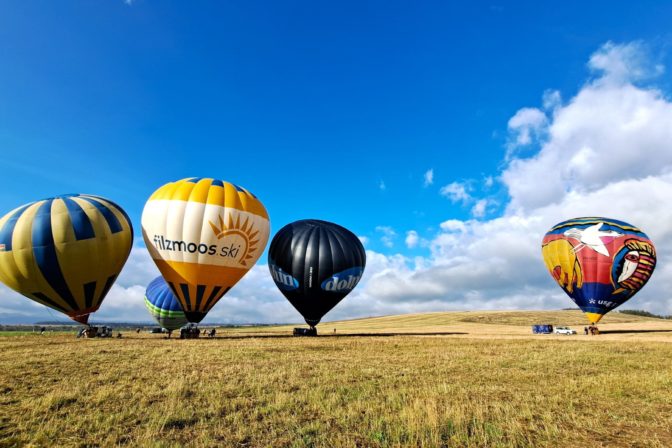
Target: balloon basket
pixel 305 332
pixel 190 331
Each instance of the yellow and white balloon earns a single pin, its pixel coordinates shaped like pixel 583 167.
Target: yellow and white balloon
pixel 204 235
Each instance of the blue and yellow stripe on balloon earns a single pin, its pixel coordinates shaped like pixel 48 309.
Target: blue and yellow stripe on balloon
pixel 65 252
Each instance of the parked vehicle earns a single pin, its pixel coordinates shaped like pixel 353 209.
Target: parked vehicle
pixel 312 331
pixel 542 329
pixel 564 330
pixel 91 331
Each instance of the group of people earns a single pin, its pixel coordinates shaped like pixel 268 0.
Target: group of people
pixel 591 330
pixel 193 332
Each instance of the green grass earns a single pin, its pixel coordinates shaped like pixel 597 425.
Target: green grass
pixel 370 391
pixel 16 333
pixel 34 333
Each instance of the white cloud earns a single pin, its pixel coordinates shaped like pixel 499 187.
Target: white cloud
pixel 622 64
pixel 381 185
pixel 429 177
pixel 139 269
pixel 551 100
pixel 456 192
pixel 254 299
pixel 527 126
pixel 605 152
pixel 389 235
pixel 604 134
pixel 460 192
pixel 14 308
pixel 479 209
pixel 412 239
pixel 453 225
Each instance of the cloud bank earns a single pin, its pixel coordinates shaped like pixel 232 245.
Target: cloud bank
pixel 607 151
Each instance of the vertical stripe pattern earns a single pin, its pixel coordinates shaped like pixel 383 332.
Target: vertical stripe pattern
pixel 65 252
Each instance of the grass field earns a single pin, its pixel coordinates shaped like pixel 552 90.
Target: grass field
pixel 440 379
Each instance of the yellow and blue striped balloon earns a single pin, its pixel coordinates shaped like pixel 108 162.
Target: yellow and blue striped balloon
pixel 65 252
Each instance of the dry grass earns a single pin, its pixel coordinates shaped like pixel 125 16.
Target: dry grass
pixel 399 390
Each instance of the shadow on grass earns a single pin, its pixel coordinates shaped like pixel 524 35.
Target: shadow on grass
pixel 633 331
pixel 338 335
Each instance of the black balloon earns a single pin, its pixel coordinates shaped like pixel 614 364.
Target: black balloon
pixel 315 264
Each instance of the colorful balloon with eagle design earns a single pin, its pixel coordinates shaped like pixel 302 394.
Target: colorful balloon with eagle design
pixel 204 235
pixel 65 252
pixel 599 262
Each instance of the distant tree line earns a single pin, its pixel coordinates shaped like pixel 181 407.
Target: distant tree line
pixel 73 326
pixel 37 327
pixel 644 314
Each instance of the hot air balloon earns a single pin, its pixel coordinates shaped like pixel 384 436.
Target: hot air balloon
pixel 599 262
pixel 65 252
pixel 315 264
pixel 164 306
pixel 204 235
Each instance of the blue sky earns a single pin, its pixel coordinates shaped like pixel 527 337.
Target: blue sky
pixel 334 111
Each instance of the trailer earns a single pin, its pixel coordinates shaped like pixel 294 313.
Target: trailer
pixel 542 329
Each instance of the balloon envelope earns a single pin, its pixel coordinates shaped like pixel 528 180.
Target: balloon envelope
pixel 599 262
pixel 204 235
pixel 163 305
pixel 315 264
pixel 65 252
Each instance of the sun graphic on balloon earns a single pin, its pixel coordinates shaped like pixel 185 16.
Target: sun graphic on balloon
pixel 244 230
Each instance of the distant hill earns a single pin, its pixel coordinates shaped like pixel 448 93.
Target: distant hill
pixel 573 317
pixel 422 322
pixel 523 318
pixel 453 322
